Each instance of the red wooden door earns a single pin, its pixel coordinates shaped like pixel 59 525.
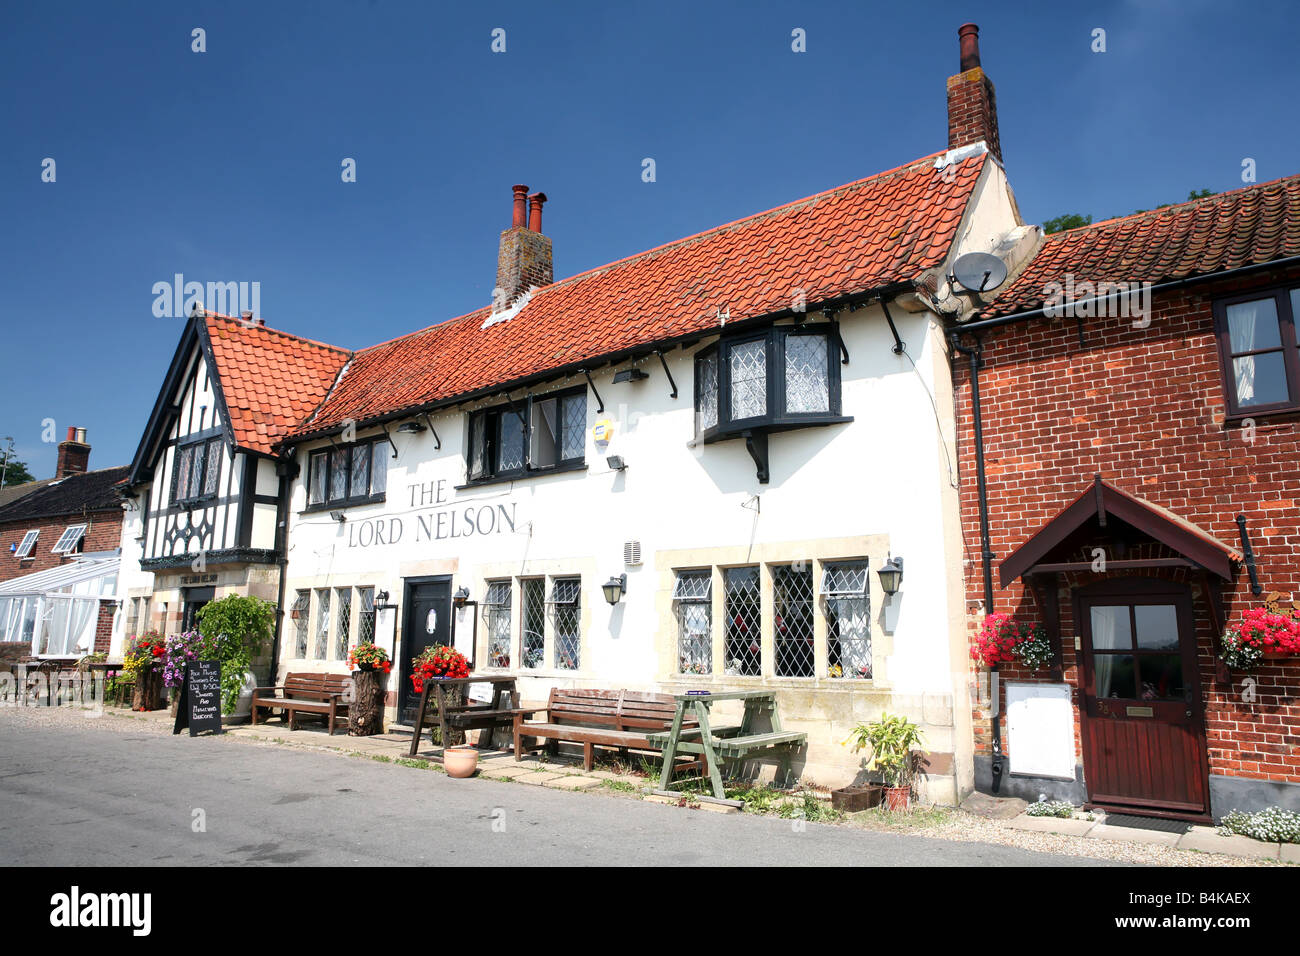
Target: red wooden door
pixel 1142 719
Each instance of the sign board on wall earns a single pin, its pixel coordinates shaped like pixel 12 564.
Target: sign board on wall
pixel 1040 729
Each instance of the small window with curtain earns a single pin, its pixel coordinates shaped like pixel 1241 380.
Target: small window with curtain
pixel 365 615
pixel 322 623
pixel 531 436
pixel 693 607
pixel 1258 351
pixel 347 475
pixel 196 471
pixel 533 636
pixel 343 630
pixel 847 607
pixel 299 614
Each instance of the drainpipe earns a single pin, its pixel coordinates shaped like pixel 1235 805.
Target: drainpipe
pixel 976 356
pixel 285 469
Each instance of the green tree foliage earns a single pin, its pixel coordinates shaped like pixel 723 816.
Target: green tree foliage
pixel 16 473
pixel 235 629
pixel 1072 220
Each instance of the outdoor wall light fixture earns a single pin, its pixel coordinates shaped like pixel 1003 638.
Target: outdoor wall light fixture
pixel 630 375
pixel 338 516
pixel 614 589
pixel 381 601
pixel 410 428
pixel 891 575
pixel 616 462
pixel 461 596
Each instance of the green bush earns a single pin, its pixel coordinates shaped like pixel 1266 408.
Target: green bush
pixel 1051 808
pixel 1273 825
pixel 234 629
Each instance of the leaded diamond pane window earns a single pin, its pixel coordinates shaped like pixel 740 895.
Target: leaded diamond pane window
pixel 300 614
pixel 792 620
pixel 212 470
pixel 743 644
pixel 360 469
pixel 319 471
pixel 566 619
pixel 366 615
pixel 706 374
pixel 748 367
pixel 338 474
pixel 533 649
pixel 379 468
pixel 848 620
pixel 322 623
pixel 496 611
pixel 573 427
pixel 807 374
pixel 510 442
pixel 184 462
pixel 477 446
pixel 693 605
pixel 344 627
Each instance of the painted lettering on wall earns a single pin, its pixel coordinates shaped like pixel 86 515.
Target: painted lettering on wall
pixel 436 524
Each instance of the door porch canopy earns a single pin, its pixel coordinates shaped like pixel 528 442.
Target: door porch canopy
pixel 1103 509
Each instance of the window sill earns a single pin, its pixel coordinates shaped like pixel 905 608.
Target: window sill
pixel 1276 416
pixel 523 476
pixel 733 431
pixel 342 504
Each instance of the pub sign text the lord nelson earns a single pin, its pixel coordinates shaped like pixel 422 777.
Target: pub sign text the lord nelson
pixel 442 520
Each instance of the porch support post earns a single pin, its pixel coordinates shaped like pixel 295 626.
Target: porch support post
pixel 1214 603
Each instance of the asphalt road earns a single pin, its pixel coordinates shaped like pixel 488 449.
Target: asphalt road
pixel 70 796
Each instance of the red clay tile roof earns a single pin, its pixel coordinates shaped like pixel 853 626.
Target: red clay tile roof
pixel 1243 227
pixel 863 236
pixel 271 380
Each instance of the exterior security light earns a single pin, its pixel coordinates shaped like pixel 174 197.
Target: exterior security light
pixel 614 589
pixel 410 428
pixel 461 596
pixel 891 575
pixel 338 516
pixel 616 462
pixel 630 375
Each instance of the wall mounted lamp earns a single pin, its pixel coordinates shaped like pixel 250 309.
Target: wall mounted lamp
pixel 891 575
pixel 410 428
pixel 614 589
pixel 616 462
pixel 338 516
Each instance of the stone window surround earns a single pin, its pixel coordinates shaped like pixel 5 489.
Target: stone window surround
pixel 543 568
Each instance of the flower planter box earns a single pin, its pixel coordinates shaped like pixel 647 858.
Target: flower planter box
pixel 366 713
pixel 855 799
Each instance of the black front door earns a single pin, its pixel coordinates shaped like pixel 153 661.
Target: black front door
pixel 426 622
pixel 195 598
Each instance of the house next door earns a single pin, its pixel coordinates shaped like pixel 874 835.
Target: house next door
pixel 427 623
pixel 1142 719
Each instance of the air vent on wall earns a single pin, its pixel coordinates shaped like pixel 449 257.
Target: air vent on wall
pixel 632 553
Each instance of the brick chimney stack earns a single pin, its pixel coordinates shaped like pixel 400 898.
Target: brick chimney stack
pixel 524 258
pixel 74 454
pixel 972 105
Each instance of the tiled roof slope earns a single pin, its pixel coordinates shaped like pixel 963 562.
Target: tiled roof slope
pixel 866 235
pixel 271 380
pixel 77 494
pixel 1243 227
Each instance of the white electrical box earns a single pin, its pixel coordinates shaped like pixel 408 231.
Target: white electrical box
pixel 1040 730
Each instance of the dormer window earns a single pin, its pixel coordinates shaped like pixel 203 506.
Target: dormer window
pixel 547 433
pixel 750 384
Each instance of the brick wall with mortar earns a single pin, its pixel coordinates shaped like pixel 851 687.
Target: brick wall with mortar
pixel 103 533
pixel 973 111
pixel 523 262
pixel 1145 408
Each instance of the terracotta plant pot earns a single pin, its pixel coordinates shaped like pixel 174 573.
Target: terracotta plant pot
pixel 460 762
pixel 855 799
pixel 897 798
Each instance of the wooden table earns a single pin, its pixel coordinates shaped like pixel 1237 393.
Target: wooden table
pixel 465 716
pixel 734 744
pixel 53 669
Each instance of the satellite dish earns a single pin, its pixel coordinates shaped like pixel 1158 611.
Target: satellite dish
pixel 979 271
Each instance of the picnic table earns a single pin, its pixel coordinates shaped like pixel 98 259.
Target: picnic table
pixel 466 716
pixel 733 744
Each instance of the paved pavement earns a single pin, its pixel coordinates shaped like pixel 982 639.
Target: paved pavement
pixel 72 796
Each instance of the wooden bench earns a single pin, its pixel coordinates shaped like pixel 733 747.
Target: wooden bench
pixel 604 718
pixel 306 693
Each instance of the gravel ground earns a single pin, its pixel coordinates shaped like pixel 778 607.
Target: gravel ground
pixel 961 826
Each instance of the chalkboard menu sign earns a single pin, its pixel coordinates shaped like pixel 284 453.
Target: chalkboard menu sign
pixel 199 708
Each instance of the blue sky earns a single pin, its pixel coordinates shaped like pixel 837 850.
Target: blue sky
pixel 225 165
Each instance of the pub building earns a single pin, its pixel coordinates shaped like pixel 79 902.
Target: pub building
pixel 728 462
pixel 1129 484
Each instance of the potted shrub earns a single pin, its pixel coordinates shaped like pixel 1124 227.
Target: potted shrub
pixel 234 630
pixel 893 742
pixel 370 666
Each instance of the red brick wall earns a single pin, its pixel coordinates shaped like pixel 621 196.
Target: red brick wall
pixel 1145 408
pixel 973 111
pixel 103 533
pixel 104 626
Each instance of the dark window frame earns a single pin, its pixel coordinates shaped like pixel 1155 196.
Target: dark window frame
pixel 376 446
pixel 490 432
pixel 1286 320
pixel 777 417
pixel 199 460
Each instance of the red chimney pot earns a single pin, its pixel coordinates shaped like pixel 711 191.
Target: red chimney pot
pixel 535 212
pixel 521 207
pixel 969 35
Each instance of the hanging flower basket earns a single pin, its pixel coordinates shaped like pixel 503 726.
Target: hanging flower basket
pixel 1265 632
pixel 1004 640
